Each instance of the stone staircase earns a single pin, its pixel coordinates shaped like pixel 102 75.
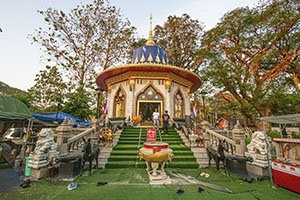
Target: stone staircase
pixel 105 151
pixel 128 154
pixel 199 153
pixel 125 154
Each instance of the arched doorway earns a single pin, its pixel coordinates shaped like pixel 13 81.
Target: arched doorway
pixel 178 105
pixel 119 104
pixel 147 101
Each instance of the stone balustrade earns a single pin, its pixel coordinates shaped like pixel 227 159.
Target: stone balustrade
pixel 76 142
pixel 214 139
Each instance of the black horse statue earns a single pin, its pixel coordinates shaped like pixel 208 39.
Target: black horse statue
pixel 217 155
pixel 237 165
pixel 88 155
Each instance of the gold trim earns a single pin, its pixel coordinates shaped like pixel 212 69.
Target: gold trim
pixel 150 59
pixel 136 60
pixel 120 87
pixel 150 41
pixel 157 59
pixel 152 101
pixel 176 91
pixel 132 83
pixel 150 65
pixel 142 59
pixel 168 83
pixel 149 75
pixel 142 90
pixel 163 61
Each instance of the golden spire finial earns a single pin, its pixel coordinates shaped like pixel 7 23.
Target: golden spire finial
pixel 150 41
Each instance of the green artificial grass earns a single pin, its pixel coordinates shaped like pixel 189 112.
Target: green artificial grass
pixel 125 153
pixel 133 183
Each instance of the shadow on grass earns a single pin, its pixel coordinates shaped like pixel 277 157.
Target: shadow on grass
pixel 132 183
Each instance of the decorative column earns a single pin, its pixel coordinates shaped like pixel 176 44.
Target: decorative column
pixel 168 83
pixel 188 109
pixel 63 131
pixel 205 127
pixel 131 100
pixel 94 135
pixel 239 138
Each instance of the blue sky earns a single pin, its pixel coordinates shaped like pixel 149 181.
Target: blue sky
pixel 20 60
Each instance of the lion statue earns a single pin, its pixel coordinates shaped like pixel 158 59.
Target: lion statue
pixel 258 144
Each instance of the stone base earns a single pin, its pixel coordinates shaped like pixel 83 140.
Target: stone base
pixel 161 178
pixel 69 170
pixel 38 173
pixel 261 171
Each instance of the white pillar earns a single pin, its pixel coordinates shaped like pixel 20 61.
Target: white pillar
pixel 110 104
pixel 168 102
pixel 187 105
pixel 132 103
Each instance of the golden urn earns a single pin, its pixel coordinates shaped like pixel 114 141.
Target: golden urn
pixel 154 153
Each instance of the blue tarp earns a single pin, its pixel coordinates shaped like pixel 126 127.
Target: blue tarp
pixel 60 118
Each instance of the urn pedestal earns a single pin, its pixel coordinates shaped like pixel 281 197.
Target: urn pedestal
pixel 155 153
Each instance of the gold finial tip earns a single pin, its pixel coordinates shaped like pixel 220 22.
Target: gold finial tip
pixel 150 41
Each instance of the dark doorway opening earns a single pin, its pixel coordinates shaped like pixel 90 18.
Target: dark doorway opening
pixel 146 110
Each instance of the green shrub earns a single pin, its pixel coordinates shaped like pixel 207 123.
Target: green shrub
pixel 247 141
pixel 296 135
pixel 274 134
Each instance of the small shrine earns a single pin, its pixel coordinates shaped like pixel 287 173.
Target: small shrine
pixel 148 83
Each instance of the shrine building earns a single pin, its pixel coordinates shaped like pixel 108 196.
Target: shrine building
pixel 147 83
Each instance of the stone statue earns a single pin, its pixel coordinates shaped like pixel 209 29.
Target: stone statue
pixel 258 144
pixel 101 137
pixel 193 137
pixel 44 150
pixel 257 149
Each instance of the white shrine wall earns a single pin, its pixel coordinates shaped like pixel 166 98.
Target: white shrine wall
pixel 140 85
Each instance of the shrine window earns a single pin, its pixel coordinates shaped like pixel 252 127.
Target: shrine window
pixel 150 93
pixel 119 104
pixel 179 105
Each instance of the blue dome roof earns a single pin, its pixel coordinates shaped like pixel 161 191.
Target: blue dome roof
pixel 149 54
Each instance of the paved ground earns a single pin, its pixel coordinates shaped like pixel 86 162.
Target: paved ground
pixel 9 180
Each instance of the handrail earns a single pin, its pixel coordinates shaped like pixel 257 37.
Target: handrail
pixel 76 137
pixel 139 143
pixel 76 141
pixel 160 136
pixel 213 138
pixel 185 131
pixel 221 137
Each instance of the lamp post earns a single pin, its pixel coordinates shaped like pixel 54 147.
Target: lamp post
pixel 98 91
pixel 203 93
pixel 234 116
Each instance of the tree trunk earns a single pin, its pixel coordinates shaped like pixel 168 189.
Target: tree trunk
pixel 265 112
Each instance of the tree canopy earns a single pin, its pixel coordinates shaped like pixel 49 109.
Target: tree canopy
pixel 249 50
pixel 84 41
pixel 78 45
pixel 180 38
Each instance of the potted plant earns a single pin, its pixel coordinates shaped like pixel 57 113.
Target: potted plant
pixel 136 120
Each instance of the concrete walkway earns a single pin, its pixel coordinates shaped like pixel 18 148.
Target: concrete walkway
pixel 9 180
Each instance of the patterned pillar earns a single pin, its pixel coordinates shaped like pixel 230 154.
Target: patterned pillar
pixel 63 131
pixel 239 138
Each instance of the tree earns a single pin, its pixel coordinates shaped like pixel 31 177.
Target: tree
pixel 89 38
pixel 249 50
pixel 78 106
pixel 180 38
pixel 135 45
pixel 78 45
pixel 49 88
